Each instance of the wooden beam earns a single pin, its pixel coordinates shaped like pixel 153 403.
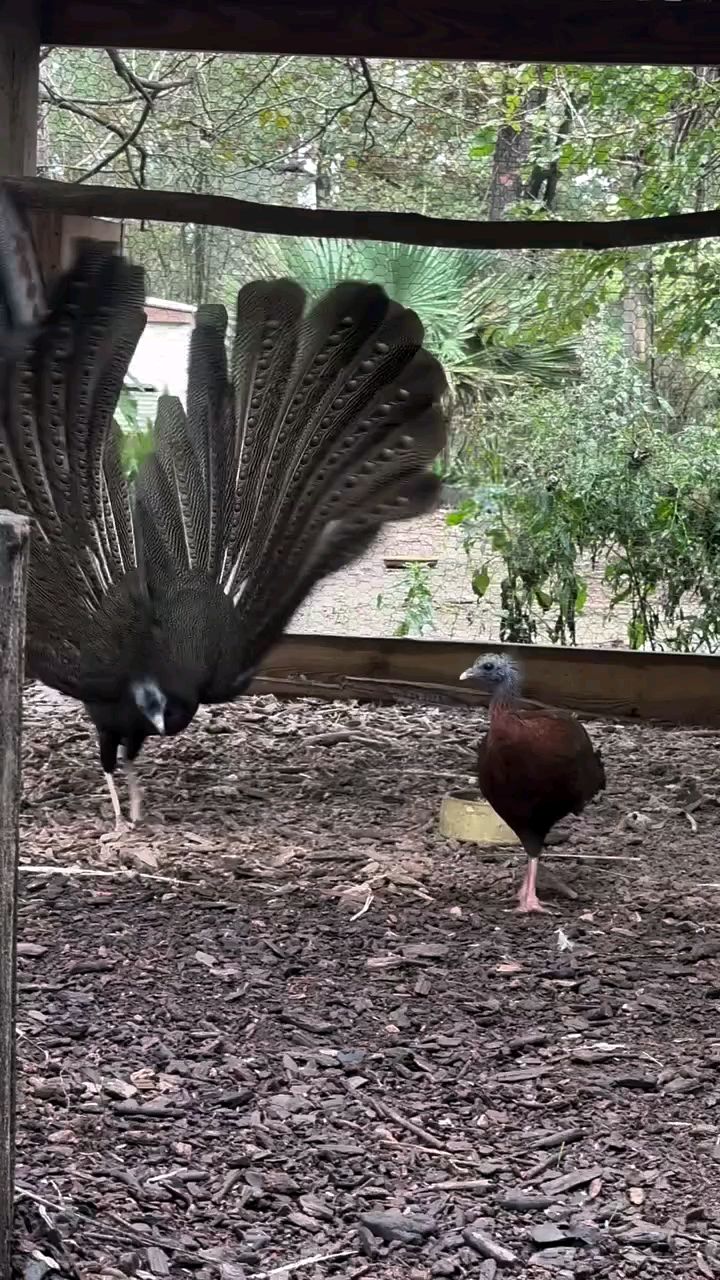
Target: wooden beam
pixel 408 228
pixel 682 688
pixel 19 73
pixel 639 31
pixel 14 543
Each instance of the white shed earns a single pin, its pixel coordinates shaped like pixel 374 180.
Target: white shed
pixel 160 362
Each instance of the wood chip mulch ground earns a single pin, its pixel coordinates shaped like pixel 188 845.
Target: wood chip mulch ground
pixel 286 1030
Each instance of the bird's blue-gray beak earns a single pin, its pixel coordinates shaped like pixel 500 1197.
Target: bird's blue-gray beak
pixel 465 675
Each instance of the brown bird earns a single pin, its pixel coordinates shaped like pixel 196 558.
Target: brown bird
pixel 534 767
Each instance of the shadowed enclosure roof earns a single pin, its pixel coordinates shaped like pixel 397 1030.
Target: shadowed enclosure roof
pixel 631 31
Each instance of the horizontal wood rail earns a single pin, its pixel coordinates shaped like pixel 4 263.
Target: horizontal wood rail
pixel 41 194
pixel 640 31
pixel 611 683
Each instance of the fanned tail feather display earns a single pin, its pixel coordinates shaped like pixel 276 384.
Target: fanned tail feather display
pixel 319 427
pixel 286 465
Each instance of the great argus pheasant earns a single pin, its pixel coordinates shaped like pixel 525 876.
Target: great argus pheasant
pixel 146 601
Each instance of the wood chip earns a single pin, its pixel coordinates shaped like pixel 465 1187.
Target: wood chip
pixel 572 1181
pixel 158 1261
pixel 552 1140
pixel 487 1247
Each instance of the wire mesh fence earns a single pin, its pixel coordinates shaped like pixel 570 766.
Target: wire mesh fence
pixel 580 478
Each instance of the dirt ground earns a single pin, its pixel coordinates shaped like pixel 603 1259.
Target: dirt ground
pixel 301 1025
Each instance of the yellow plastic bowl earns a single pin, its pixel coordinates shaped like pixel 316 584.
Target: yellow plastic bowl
pixel 464 815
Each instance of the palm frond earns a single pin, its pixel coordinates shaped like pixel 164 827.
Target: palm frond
pixel 473 304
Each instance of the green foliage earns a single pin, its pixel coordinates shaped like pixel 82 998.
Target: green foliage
pixel 136 444
pixel 480 581
pixel 615 461
pixel 598 475
pixel 136 440
pixel 588 142
pixel 416 604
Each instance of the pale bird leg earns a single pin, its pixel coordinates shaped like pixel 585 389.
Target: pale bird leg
pixel 135 792
pixel 114 797
pixel 527 898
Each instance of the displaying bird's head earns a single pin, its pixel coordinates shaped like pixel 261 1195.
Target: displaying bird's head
pixel 167 713
pixel 494 672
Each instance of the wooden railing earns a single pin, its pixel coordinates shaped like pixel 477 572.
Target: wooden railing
pixel 42 195
pixel 681 688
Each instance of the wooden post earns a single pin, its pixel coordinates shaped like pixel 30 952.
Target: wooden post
pixel 14 544
pixel 19 80
pixel 19 77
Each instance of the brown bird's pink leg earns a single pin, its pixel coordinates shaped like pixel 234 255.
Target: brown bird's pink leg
pixel 527 898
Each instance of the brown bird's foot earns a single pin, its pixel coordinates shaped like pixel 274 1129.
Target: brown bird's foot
pixel 531 904
pixel 528 900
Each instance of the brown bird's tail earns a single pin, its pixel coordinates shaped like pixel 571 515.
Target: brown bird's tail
pixel 286 465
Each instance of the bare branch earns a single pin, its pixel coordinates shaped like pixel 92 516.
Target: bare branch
pixel 127 140
pixel 148 89
pixel 144 91
pixel 124 146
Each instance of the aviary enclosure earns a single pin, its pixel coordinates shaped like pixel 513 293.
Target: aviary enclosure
pixel 288 1028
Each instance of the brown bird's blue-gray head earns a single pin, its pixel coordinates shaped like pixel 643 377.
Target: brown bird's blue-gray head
pixel 496 673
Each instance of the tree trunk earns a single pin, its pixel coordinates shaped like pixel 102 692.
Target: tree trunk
pixel 512 153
